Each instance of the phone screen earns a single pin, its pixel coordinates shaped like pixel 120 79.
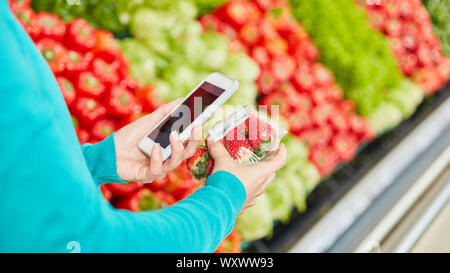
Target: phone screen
pixel 186 113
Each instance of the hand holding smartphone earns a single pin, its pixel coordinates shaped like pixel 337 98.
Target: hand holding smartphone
pixel 195 109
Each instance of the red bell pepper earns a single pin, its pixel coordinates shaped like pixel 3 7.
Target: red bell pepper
pixel 18 3
pixel 323 77
pixel 339 121
pixel 89 85
pixel 51 25
pixel 360 128
pixel 302 79
pixel 88 111
pixel 231 244
pixel 54 53
pixel 80 36
pixel 158 184
pixel 210 22
pixel 299 121
pixel 266 83
pixel 181 182
pixel 147 98
pixel 260 55
pixel 82 135
pixel 76 63
pixel 27 19
pixel 121 102
pixel 130 84
pixel 237 13
pixel 249 34
pixel 122 190
pixel 107 194
pixel 345 146
pixel 106 47
pixel 324 158
pixel 105 72
pixel 283 67
pixel 144 200
pixel 102 129
pixel 321 113
pixel 67 90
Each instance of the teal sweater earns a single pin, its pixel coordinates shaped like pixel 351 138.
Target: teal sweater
pixel 49 188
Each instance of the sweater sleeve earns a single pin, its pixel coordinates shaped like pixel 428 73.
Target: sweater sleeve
pixel 48 186
pixel 196 224
pixel 101 161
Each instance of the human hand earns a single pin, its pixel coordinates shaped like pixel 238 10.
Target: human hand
pixel 134 165
pixel 255 177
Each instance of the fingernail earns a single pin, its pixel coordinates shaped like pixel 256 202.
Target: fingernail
pixel 175 134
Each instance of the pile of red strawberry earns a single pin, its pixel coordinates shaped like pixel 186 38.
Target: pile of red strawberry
pixel 305 91
pixel 408 27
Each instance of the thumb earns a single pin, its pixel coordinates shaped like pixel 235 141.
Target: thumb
pixel 217 150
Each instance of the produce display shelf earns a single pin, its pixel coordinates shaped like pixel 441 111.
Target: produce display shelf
pixel 331 190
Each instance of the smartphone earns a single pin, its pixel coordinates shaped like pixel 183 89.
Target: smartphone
pixel 195 109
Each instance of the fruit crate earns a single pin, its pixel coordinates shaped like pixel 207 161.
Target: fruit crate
pixel 333 188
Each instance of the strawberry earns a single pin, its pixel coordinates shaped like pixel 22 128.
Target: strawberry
pixel 260 134
pixel 200 165
pixel 238 146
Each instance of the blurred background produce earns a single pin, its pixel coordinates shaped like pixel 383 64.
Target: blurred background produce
pixel 341 72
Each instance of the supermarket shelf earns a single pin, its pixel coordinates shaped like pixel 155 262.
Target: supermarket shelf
pixel 336 219
pixel 404 224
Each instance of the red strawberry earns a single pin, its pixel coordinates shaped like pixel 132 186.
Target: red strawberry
pixel 238 146
pixel 260 134
pixel 200 165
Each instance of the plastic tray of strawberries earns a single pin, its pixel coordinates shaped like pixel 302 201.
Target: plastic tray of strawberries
pixel 249 136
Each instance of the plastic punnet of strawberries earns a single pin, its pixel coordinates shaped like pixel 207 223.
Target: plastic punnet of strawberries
pixel 248 136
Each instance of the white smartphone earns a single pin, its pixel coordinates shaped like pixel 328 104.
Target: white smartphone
pixel 196 108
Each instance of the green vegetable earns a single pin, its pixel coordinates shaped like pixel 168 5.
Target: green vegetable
pixel 296 186
pixel 387 115
pixel 407 97
pixel 257 221
pixel 440 16
pixel 281 200
pixel 359 56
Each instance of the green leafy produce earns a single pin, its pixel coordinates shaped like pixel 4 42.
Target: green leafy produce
pixel 359 56
pixel 440 16
pixel 281 199
pixel 407 97
pixel 386 116
pixel 257 221
pixel 296 186
pixel 183 55
pixel 103 14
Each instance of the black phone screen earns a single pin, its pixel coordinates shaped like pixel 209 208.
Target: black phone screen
pixel 186 113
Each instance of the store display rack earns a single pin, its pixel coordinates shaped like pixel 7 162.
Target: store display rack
pixel 331 190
